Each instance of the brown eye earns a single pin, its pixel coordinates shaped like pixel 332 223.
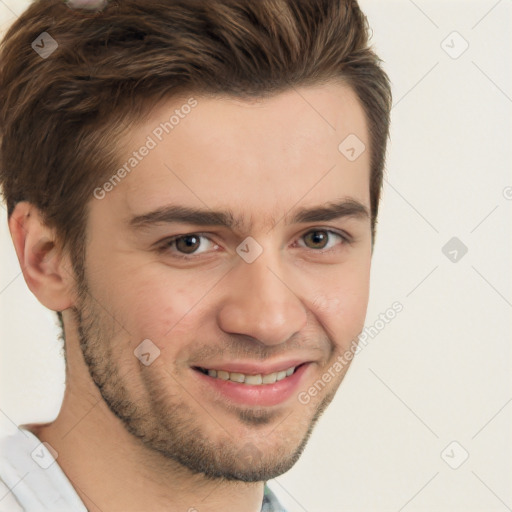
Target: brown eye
pixel 187 246
pixel 317 239
pixel 188 243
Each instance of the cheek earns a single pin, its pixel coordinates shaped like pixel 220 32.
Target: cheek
pixel 154 304
pixel 341 306
pixel 166 311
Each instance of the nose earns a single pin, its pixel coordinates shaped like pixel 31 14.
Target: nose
pixel 261 303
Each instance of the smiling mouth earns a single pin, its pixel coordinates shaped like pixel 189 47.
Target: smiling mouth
pixel 252 380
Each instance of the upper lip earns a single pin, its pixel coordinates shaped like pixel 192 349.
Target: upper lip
pixel 250 368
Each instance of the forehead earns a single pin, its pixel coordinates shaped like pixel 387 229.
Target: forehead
pixel 256 157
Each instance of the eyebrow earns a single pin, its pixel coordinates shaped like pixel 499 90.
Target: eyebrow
pixel 225 218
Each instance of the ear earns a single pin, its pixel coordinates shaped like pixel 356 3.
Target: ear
pixel 46 270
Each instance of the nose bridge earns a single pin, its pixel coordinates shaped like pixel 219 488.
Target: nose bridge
pixel 260 303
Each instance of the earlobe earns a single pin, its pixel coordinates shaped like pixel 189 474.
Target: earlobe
pixel 42 264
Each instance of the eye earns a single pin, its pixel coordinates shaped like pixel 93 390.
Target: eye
pixel 190 245
pixel 323 239
pixel 187 244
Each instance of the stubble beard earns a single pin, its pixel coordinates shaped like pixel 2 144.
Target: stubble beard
pixel 167 425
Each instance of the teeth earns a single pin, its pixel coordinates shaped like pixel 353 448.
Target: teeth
pixel 252 380
pixel 269 379
pixel 237 377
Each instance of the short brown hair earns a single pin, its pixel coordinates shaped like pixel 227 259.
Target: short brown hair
pixel 60 116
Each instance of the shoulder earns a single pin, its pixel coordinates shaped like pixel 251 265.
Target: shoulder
pixel 32 477
pixel 8 502
pixel 10 444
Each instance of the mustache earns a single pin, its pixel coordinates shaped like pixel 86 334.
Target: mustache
pixel 251 349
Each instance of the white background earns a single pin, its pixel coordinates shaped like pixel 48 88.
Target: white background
pixel 441 370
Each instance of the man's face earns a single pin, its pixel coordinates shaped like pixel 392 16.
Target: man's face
pixel 292 295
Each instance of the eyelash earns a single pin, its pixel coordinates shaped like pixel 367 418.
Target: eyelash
pixel 167 243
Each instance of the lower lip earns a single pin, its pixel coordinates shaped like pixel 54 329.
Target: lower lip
pixel 264 394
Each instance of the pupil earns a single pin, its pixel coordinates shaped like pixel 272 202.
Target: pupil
pixel 187 244
pixel 318 237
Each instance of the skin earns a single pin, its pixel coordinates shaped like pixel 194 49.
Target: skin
pixel 135 444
